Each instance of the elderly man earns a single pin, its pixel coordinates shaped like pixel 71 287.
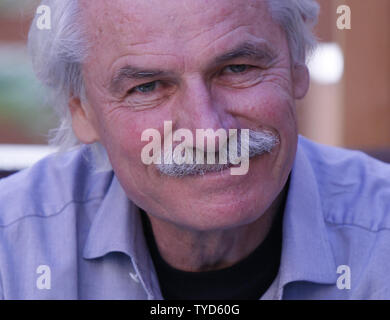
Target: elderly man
pixel 304 221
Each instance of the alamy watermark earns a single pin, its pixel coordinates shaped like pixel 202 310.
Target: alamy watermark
pixel 44 17
pixel 344 20
pixel 235 148
pixel 344 280
pixel 44 278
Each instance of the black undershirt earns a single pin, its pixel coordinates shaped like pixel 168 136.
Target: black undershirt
pixel 246 280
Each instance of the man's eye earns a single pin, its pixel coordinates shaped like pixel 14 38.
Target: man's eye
pixel 145 88
pixel 237 68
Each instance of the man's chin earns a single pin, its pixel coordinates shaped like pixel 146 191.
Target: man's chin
pixel 214 220
pixel 220 211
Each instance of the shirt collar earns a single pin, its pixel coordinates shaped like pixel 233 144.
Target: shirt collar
pixel 117 227
pixel 306 251
pixel 114 227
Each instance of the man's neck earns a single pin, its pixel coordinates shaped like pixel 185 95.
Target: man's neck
pixel 195 251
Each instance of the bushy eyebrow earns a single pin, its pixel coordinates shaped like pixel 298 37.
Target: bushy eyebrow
pixel 259 51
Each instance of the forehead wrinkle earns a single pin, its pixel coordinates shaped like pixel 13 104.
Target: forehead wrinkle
pixel 261 51
pixel 107 15
pixel 128 19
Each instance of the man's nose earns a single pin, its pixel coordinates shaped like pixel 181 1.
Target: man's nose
pixel 201 110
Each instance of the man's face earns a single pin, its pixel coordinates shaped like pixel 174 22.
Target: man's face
pixel 221 64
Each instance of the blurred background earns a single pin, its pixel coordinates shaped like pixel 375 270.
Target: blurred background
pixel 349 101
pixel 348 104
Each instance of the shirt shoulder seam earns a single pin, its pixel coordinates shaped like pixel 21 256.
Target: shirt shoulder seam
pixel 52 214
pixel 341 224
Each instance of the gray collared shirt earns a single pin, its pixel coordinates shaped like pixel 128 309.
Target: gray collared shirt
pixel 69 233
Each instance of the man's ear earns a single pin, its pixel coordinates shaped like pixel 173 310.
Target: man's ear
pixel 301 80
pixel 82 123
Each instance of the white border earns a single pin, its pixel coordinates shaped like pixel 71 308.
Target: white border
pixel 17 156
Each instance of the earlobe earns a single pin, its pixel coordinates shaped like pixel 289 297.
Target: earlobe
pixel 301 78
pixel 82 123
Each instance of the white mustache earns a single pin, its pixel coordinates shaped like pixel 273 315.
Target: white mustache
pixel 260 142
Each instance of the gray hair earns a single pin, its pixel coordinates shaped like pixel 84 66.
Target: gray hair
pixel 58 54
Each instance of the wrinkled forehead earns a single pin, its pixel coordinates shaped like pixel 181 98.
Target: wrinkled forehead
pixel 134 21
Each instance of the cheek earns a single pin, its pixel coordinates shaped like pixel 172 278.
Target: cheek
pixel 267 105
pixel 122 134
pixel 123 130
